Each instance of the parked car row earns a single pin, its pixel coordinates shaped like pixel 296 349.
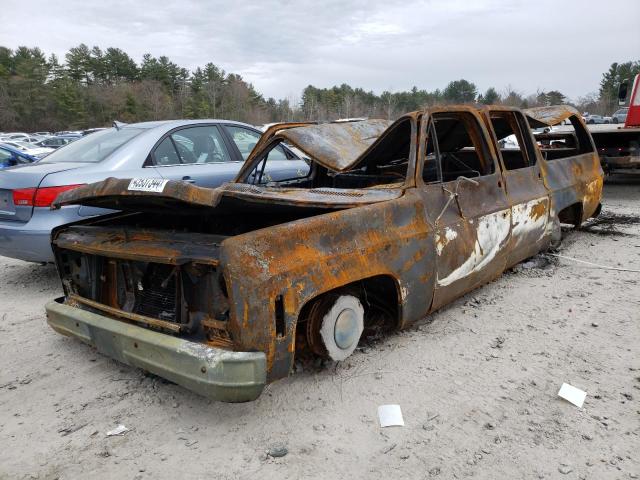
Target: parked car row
pixel 618 117
pixel 38 145
pixel 206 153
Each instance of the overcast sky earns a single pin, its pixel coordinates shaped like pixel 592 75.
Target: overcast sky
pixel 282 46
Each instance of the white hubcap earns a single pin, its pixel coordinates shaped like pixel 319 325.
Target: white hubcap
pixel 342 326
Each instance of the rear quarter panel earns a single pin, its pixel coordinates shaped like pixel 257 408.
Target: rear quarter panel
pixel 575 180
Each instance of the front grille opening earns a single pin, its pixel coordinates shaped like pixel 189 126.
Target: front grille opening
pixel 177 299
pixel 149 289
pixel 156 294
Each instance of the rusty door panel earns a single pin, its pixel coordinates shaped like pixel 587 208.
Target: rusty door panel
pixel 471 236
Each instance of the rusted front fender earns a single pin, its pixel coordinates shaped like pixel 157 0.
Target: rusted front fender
pixel 303 259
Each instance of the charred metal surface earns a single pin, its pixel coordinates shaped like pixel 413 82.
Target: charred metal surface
pixel 243 267
pixel 549 116
pixel 177 248
pixel 115 193
pixel 336 145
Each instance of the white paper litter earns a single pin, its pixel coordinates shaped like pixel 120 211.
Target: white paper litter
pixel 390 416
pixel 119 430
pixel 572 394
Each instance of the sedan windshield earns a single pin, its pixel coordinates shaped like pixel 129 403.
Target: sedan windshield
pixel 95 147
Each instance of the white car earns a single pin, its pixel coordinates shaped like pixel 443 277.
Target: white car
pixel 16 134
pixel 593 119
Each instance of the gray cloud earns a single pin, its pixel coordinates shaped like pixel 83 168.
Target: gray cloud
pixel 282 46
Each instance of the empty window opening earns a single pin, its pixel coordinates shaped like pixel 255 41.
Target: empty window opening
pixel 569 139
pixel 513 145
pixel 431 168
pixel 460 146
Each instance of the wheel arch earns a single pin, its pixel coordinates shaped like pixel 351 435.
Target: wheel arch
pixel 572 214
pixel 381 294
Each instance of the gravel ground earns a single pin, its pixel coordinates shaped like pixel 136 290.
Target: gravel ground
pixel 477 384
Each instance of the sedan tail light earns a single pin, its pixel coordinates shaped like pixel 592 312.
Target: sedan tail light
pixel 39 197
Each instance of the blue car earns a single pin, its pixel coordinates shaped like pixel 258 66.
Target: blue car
pixel 206 153
pixel 10 157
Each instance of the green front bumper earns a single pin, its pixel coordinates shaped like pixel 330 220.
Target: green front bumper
pixel 213 372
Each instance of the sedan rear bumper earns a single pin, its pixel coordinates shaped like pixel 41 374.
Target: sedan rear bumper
pixel 212 372
pixel 21 242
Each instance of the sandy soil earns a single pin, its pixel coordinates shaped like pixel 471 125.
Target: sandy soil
pixel 477 385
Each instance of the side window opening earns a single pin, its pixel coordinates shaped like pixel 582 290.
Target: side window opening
pixel 194 145
pixel 201 145
pixel 461 147
pixel 525 132
pixel 582 135
pixel 511 141
pixel 165 154
pixel 431 168
pixel 567 141
pixel 244 139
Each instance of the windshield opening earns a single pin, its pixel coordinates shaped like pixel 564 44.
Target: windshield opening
pixel 384 166
pixel 93 148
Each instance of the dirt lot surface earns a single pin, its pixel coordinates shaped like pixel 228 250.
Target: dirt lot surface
pixel 477 384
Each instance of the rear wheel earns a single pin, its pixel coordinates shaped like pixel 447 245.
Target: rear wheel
pixel 335 325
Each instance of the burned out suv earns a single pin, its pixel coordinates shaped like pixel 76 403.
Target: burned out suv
pixel 219 289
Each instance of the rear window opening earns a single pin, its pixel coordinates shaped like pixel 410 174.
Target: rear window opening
pixel 566 140
pixel 385 165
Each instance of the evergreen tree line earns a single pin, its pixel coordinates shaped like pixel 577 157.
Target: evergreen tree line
pixel 92 87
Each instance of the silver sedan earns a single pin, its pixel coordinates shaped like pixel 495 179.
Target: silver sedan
pixel 204 152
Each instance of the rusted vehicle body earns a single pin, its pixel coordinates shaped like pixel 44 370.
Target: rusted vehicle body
pixel 219 289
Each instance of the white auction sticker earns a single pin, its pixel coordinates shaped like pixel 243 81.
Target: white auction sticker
pixel 147 184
